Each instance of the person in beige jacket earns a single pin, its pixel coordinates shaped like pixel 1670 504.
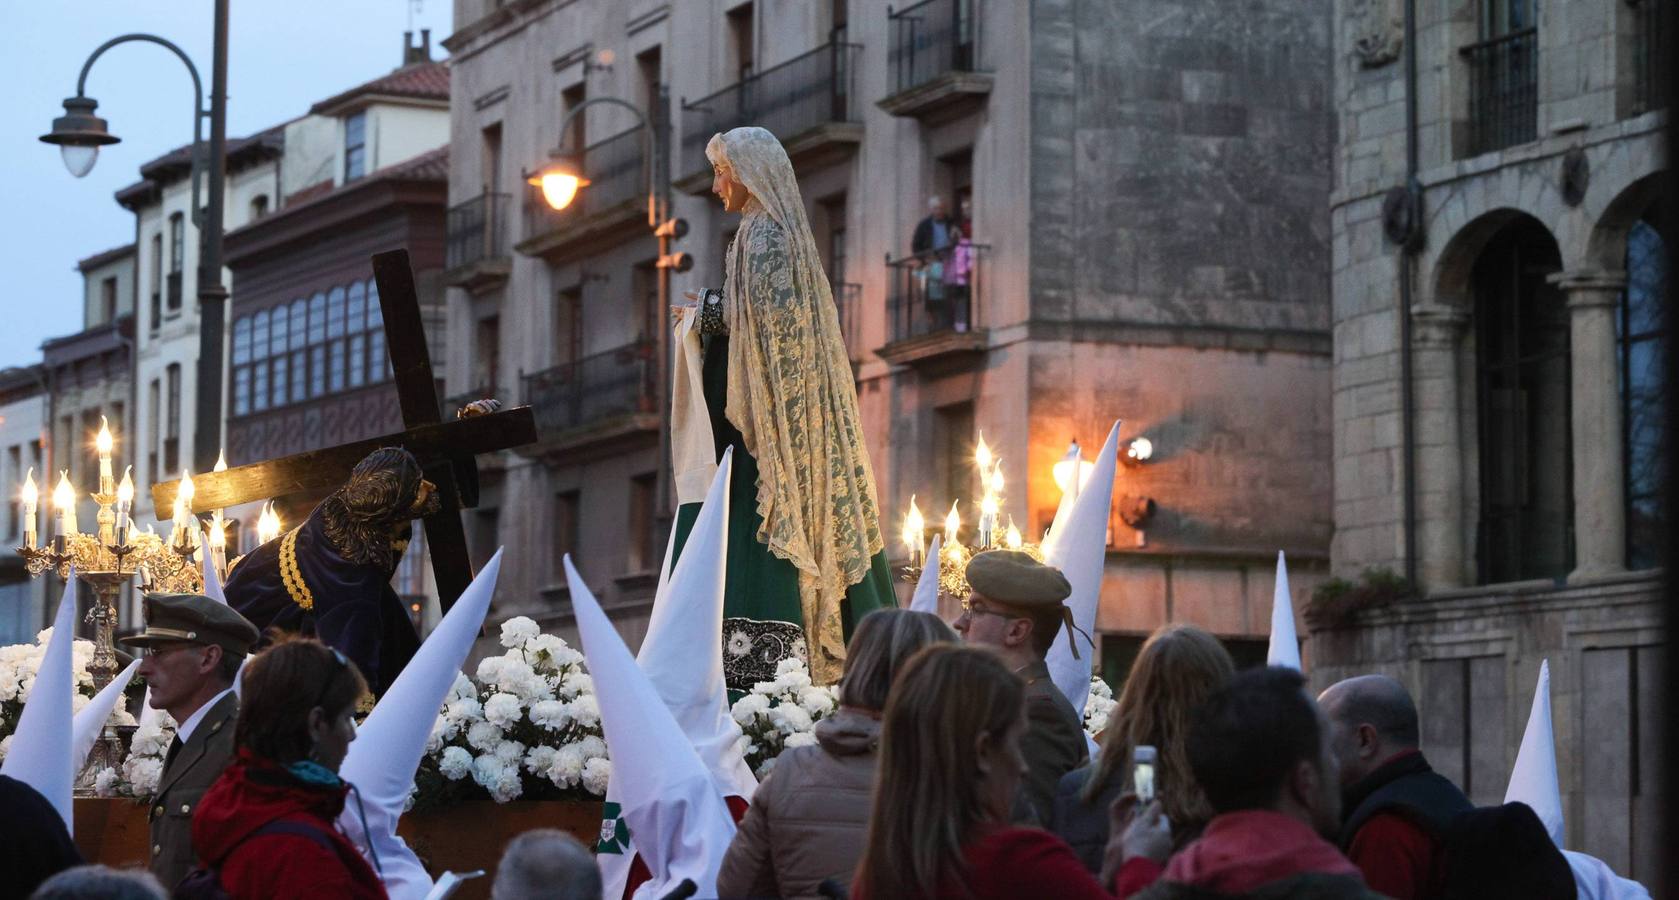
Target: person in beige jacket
pixel 807 820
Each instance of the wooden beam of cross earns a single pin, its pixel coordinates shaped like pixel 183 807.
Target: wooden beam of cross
pixel 446 450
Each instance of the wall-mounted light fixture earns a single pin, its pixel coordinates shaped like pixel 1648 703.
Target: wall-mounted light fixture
pixel 1137 451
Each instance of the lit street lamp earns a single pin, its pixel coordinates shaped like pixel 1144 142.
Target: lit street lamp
pixel 79 134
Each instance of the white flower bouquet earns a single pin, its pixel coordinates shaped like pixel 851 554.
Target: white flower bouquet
pixel 1097 708
pixel 782 713
pixel 140 772
pixel 18 665
pixel 527 726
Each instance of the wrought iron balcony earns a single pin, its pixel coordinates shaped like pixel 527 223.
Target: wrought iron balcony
pixel 615 197
pixel 934 54
pixel 809 102
pixel 614 392
pixel 1503 91
pixel 935 305
pixel 475 252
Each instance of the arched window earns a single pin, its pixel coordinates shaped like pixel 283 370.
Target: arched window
pixel 242 341
pixel 1643 338
pixel 277 331
pixel 1526 524
pixel 355 311
pixel 259 335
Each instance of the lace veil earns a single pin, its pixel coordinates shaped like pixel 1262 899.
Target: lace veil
pixel 791 395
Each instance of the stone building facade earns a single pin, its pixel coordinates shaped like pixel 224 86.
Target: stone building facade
pixel 23 435
pixel 1146 192
pixel 1497 386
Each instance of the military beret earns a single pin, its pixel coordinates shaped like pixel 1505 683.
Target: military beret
pixel 1014 578
pixel 194 619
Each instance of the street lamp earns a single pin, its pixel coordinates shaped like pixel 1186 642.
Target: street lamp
pixel 79 134
pixel 562 179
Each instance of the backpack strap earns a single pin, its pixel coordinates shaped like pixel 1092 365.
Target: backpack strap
pixel 293 827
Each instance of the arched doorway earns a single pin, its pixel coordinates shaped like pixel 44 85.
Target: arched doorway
pixel 1522 391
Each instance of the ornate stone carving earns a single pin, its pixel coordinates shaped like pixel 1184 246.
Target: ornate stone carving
pixel 1576 176
pixel 1377 28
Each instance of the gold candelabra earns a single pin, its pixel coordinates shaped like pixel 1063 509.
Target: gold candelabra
pixel 954 555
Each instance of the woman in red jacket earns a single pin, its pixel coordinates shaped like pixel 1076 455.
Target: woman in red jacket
pixel 950 764
pixel 265 828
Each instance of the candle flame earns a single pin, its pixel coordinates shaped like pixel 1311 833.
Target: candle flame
pixel 1011 538
pixel 268 524
pixel 996 485
pixel 982 455
pixel 102 442
pixel 915 527
pixel 125 490
pixel 218 532
pixel 221 461
pixel 988 505
pixel 30 495
pixel 63 495
pixel 952 524
pixel 186 491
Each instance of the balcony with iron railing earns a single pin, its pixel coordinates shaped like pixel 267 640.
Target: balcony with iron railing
pixel 809 102
pixel 935 305
pixel 1650 55
pixel 934 55
pixel 1503 90
pixel 598 402
pixel 613 204
pixel 475 248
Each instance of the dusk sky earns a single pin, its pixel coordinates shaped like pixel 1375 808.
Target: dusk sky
pixel 282 57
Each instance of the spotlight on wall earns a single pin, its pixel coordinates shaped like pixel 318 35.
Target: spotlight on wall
pixel 1137 451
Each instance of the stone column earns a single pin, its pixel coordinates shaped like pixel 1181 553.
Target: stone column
pixel 1594 365
pixel 1437 331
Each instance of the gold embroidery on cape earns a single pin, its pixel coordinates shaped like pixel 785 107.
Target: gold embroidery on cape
pixel 791 395
pixel 291 575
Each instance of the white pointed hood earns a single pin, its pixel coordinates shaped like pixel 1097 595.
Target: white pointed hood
pixel 1533 779
pixel 678 821
pixel 1079 548
pixel 926 596
pixel 212 581
pixel 1285 642
pixel 390 743
pixel 86 725
pixel 682 653
pixel 38 756
pixel 1594 880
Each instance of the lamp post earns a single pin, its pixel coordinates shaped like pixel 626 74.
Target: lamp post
pixel 560 182
pixel 79 134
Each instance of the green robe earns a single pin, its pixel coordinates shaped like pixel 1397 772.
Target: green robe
pixel 762 617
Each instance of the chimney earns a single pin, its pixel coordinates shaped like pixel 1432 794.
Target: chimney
pixel 416 53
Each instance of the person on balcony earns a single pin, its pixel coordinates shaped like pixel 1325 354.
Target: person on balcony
pixel 762 367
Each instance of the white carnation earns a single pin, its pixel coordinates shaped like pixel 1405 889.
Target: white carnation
pixel 455 763
pixel 789 665
pixel 591 746
pixel 551 714
pixel 483 735
pixel 105 783
pixel 507 786
pixel 143 774
pixel 517 630
pixel 790 717
pixel 749 707
pixel 462 688
pixel 801 739
pixel 464 711
pixel 596 773
pixel 488 769
pixel 539 759
pixel 567 767
pixel 503 710
pixel 585 710
pixel 490 668
pixel 816 701
pixel 510 752
pixel 577 683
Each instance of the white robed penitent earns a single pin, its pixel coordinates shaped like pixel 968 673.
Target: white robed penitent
pixel 1078 546
pixel 40 752
pixel 668 798
pixel 1284 649
pixel 386 753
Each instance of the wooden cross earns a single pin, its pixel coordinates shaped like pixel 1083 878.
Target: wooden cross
pixel 446 450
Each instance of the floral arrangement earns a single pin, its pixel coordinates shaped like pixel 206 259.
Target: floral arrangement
pixel 139 774
pixel 18 665
pixel 527 726
pixel 1096 709
pixel 782 713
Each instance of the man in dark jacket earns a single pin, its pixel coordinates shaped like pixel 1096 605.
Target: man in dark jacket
pixel 1397 809
pixel 193 647
pixel 34 844
pixel 1260 750
pixel 933 234
pixel 1015 607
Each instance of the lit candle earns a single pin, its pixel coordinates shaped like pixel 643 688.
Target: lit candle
pixel 218 544
pixel 220 466
pixel 184 532
pixel 952 525
pixel 915 532
pixel 982 456
pixel 31 497
pixel 103 443
pixel 125 504
pixel 1012 538
pixel 987 520
pixel 64 500
pixel 268 524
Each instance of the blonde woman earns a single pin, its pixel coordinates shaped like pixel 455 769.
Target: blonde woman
pixel 806 821
pixel 950 765
pixel 1179 667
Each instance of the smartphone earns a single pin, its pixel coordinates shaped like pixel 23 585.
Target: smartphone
pixel 1142 773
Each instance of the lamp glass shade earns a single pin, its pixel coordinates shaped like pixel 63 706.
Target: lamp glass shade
pixel 79 159
pixel 559 186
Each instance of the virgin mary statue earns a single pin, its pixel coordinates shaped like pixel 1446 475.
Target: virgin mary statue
pixel 761 367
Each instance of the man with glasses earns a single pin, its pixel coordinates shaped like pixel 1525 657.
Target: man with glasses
pixel 1016 606
pixel 193 647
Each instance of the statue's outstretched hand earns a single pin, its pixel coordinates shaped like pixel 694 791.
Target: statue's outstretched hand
pixel 478 408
